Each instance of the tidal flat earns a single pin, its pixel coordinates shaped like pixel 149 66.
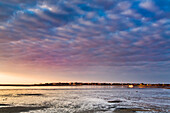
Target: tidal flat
pixel 84 99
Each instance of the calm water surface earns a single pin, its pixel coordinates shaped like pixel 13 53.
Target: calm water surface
pixel 84 99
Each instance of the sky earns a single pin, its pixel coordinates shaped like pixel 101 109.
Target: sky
pixel 84 41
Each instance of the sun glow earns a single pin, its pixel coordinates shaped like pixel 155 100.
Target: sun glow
pixel 6 78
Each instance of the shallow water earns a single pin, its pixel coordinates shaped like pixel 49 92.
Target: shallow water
pixel 85 99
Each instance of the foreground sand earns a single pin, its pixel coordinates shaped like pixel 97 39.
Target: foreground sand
pixel 17 109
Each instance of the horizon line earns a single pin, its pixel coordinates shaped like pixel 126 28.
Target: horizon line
pixel 80 83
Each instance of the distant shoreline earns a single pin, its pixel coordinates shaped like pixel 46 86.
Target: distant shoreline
pixel 128 85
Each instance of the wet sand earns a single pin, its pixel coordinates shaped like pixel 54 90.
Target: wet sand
pixel 29 94
pixel 117 110
pixel 85 100
pixel 129 110
pixel 4 104
pixel 115 101
pixel 17 109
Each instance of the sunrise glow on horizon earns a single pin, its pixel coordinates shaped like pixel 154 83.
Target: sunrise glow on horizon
pixel 84 40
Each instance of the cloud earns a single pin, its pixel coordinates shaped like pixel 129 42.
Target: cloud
pixel 148 5
pixel 85 33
